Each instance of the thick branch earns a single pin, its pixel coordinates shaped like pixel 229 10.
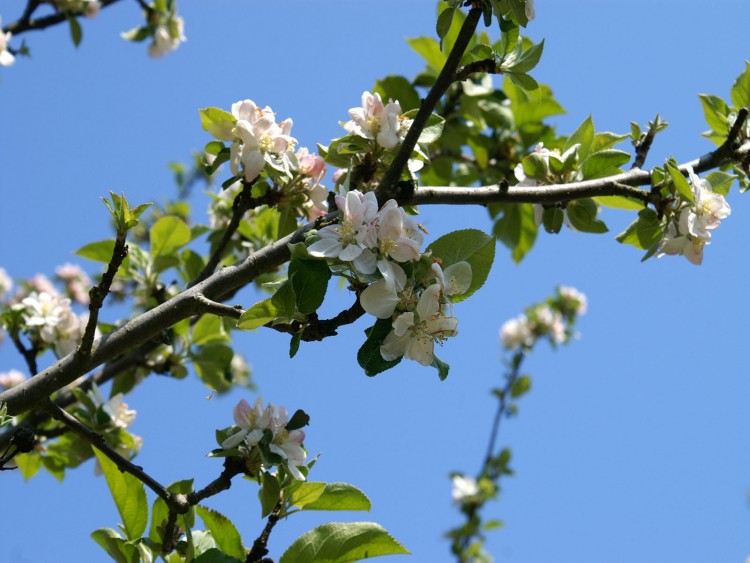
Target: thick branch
pixel 621 184
pixel 439 88
pixel 146 326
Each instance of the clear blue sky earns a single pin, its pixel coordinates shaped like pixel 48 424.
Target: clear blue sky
pixel 632 446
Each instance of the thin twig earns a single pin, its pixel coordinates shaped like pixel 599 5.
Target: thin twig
pixel 233 466
pixel 315 329
pixel 439 88
pixel 25 23
pixel 219 309
pixel 29 354
pixel 259 549
pixel 123 464
pixel 99 292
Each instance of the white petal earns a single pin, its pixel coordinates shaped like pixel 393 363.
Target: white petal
pixel 378 300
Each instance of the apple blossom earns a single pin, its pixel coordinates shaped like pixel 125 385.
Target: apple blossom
pixel 11 378
pixel 253 423
pixel 516 333
pixel 77 282
pixel 463 488
pixel 6 283
pixel 529 9
pixel 117 410
pixel 6 57
pixel 342 241
pixel 414 333
pixel 167 37
pixel 256 133
pixel 377 121
pixel 573 300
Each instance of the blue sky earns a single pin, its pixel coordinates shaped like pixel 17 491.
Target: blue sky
pixel 633 444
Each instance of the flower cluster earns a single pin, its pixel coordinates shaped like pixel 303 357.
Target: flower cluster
pixel 43 313
pixel 259 144
pixel 168 34
pixel 89 8
pixel 553 319
pixel 690 228
pixel 379 245
pixel 264 437
pixel 377 121
pixel 6 57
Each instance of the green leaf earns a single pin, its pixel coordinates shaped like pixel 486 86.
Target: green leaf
pixel 339 496
pixel 619 202
pixel 76 34
pixel 584 136
pixel 209 329
pixel 269 494
pixel 287 223
pixel 219 123
pixel 28 464
pixel 529 59
pixel 432 129
pixel 116 547
pixel 721 181
pixel 444 21
pixel 552 219
pixel 168 234
pixel 214 555
pixel 468 245
pixel 604 163
pixel 441 367
pixel 306 493
pixel 680 182
pixel 517 229
pixel 295 342
pixel 715 111
pixel 582 215
pixel 398 88
pixel 129 496
pixel 223 531
pixel 520 386
pixel 136 34
pixel 740 92
pixel 606 140
pixel 341 543
pixel 310 282
pixel 213 365
pixel 530 110
pixel 299 419
pixel 100 251
pixel 644 231
pixel 429 50
pixel 535 166
pixel 369 356
pixel 259 314
pixel 522 80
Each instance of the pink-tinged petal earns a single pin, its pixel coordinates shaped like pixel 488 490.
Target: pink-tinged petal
pixel 246 109
pixel 243 414
pixel 406 250
pixel 253 437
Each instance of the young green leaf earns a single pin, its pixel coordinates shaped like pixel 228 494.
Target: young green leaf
pixel 168 234
pixel 341 543
pixel 339 496
pixel 129 496
pixel 223 531
pixel 468 245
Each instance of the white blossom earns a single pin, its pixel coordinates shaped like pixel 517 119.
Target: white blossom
pixel 11 378
pixel 414 333
pixel 167 37
pixel 573 299
pixel 6 57
pixel 375 120
pixel 463 488
pixel 6 283
pixel 516 332
pixel 115 408
pixel 253 421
